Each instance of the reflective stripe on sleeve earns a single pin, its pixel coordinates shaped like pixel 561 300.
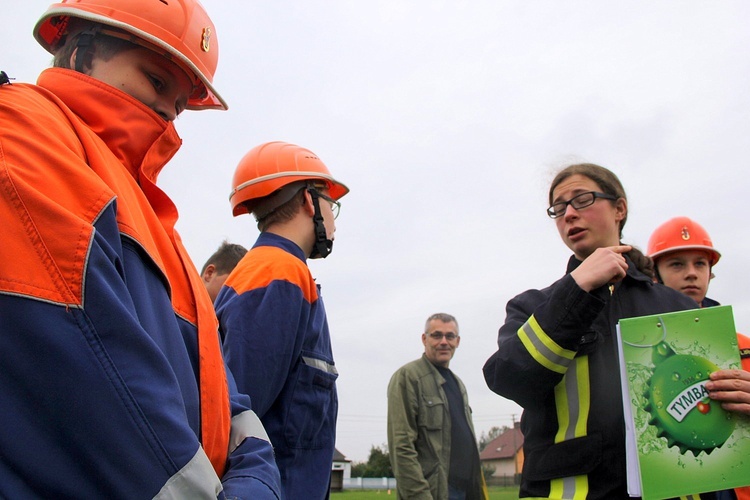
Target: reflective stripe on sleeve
pixel 320 365
pixel 575 487
pixel 573 404
pixel 543 349
pixel 245 425
pixel 573 401
pixel 196 480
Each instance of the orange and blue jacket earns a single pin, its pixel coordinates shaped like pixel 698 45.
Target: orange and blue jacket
pixel 743 343
pixel 278 346
pixel 112 382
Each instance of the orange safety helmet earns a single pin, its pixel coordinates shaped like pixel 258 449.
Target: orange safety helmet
pixel 681 233
pixel 180 30
pixel 269 167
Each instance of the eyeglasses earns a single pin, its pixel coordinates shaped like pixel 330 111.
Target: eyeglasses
pixel 439 335
pixel 578 202
pixel 335 205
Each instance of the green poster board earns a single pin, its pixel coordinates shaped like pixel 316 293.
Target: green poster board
pixel 679 441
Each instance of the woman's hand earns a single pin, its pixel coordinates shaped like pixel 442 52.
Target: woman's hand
pixel 605 266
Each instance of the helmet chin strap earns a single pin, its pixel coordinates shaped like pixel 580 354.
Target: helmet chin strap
pixel 323 246
pixel 84 54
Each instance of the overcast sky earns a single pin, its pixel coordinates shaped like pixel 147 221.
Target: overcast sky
pixel 448 120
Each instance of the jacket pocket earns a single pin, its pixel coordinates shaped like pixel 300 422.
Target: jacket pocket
pixel 570 458
pixel 431 410
pixel 311 416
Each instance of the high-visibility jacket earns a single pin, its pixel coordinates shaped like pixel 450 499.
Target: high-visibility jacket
pixel 278 346
pixel 557 358
pixel 112 381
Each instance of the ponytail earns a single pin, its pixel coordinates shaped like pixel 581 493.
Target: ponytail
pixel 642 262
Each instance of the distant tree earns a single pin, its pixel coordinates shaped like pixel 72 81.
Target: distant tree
pixel 378 464
pixel 487 472
pixel 358 469
pixel 484 439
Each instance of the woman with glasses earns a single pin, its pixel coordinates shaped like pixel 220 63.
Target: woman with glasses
pixel 557 355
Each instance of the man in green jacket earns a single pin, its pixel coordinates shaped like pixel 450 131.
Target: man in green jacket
pixel 433 450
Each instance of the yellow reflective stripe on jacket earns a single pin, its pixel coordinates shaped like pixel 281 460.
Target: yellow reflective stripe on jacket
pixel 573 404
pixel 543 349
pixel 572 398
pixel 575 487
pixel 573 401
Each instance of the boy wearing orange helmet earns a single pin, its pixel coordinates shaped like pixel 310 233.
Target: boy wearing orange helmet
pixel 684 256
pixel 112 383
pixel 271 314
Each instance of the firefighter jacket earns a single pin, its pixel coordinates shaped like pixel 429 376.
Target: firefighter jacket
pixel 557 357
pixel 276 341
pixel 419 433
pixel 112 381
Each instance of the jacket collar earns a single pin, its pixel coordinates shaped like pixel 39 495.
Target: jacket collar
pixel 432 368
pixel 140 139
pixel 266 239
pixel 709 302
pixel 633 272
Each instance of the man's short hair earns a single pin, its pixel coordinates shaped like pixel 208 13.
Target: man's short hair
pixel 226 257
pixel 445 318
pixel 284 212
pixel 105 46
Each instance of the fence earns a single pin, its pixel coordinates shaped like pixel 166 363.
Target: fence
pixel 370 483
pixel 389 483
pixel 504 480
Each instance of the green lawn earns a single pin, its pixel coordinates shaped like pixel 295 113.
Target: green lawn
pixel 496 493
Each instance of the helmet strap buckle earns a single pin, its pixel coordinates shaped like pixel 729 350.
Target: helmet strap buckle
pixel 323 246
pixel 84 47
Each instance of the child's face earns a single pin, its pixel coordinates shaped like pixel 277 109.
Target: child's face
pixel 687 271
pixel 156 82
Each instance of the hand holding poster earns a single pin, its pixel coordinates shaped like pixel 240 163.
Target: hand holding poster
pixel 679 441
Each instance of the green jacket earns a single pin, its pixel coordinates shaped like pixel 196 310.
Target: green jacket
pixel 419 433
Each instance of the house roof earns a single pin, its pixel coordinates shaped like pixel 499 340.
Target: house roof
pixel 339 457
pixel 504 446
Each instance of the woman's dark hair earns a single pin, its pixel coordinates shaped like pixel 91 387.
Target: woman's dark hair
pixel 609 184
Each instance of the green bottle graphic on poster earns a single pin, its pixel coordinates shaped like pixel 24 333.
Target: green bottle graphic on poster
pixel 681 441
pixel 679 405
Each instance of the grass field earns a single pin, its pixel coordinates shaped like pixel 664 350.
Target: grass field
pixel 496 493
